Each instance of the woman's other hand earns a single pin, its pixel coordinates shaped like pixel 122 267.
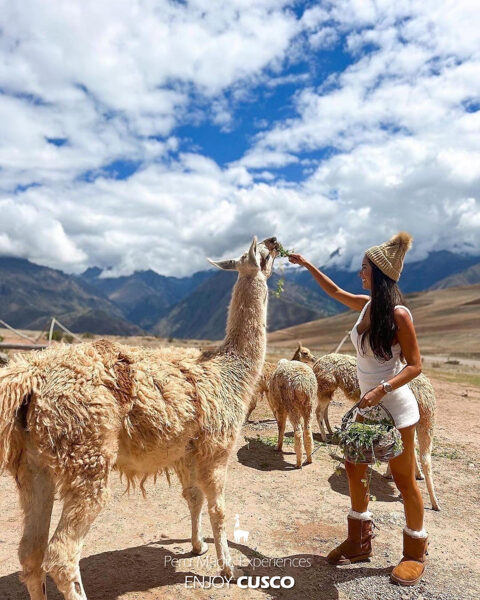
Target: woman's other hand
pixel 372 398
pixel 297 259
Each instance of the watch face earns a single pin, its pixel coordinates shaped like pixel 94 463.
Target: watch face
pixel 387 387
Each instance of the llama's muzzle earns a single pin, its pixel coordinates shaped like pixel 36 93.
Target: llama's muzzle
pixel 271 243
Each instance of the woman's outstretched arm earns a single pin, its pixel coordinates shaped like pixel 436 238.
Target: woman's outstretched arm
pixel 353 301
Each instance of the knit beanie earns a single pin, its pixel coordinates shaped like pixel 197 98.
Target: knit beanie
pixel 388 257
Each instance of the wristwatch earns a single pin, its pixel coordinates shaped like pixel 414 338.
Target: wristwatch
pixel 387 387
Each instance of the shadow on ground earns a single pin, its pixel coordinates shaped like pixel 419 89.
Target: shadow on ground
pixel 256 454
pixel 383 489
pixel 110 575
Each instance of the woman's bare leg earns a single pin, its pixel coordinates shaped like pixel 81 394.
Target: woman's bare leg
pixel 403 471
pixel 358 485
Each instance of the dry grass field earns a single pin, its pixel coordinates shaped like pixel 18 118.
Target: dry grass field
pixel 139 549
pixel 447 323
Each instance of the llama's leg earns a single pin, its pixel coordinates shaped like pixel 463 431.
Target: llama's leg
pixel 322 404
pixel 425 439
pixel 298 434
pixel 418 469
pixel 327 422
pixel 36 497
pixel 80 509
pixel 195 498
pixel 252 406
pixel 212 481
pixel 319 415
pixel 281 423
pixel 308 437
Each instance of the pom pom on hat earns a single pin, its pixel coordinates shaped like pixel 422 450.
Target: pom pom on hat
pixel 403 239
pixel 388 257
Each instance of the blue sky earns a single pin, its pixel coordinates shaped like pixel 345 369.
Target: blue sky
pixel 159 133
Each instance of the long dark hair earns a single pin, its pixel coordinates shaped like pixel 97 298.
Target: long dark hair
pixel 382 330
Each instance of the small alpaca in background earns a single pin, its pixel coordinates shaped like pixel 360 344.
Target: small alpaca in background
pixel 292 392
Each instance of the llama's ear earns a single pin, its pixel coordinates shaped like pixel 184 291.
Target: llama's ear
pixel 226 265
pixel 299 344
pixel 252 253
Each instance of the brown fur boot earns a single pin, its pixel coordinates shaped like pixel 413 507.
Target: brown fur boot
pixel 358 545
pixel 410 569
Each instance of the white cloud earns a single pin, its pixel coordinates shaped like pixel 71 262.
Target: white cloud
pixel 107 79
pixel 28 231
pixel 389 143
pixel 267 158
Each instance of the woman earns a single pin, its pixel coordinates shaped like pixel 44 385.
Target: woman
pixel 387 359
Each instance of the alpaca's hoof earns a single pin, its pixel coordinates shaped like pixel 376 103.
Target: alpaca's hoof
pixel 419 477
pixel 298 466
pixel 199 550
pixel 232 573
pixel 388 476
pixel 309 461
pixel 435 506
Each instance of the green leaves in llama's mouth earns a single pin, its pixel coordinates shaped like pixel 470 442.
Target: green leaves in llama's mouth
pixel 279 289
pixel 283 252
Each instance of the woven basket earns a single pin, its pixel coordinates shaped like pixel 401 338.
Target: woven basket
pixel 387 445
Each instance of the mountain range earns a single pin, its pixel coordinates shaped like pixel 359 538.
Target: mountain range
pixel 192 307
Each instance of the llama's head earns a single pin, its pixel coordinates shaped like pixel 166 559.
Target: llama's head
pixel 303 354
pixel 257 259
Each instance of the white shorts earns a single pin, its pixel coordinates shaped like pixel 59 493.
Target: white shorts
pixel 402 405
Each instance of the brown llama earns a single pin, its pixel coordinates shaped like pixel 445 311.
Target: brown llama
pixel 69 415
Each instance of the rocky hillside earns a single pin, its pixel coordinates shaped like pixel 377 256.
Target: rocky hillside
pixel 203 314
pixel 470 276
pixel 30 295
pixel 188 307
pixel 145 296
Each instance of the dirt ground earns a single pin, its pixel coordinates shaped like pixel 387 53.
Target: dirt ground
pixel 139 549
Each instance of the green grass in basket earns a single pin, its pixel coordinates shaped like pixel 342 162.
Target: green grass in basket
pixel 361 436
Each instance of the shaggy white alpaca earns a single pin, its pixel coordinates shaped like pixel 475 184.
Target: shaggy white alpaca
pixel 291 393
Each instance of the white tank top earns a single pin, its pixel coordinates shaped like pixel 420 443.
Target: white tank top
pixel 367 362
pixel 401 403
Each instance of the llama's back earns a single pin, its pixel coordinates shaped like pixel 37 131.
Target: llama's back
pixel 337 370
pixel 68 407
pixel 111 396
pixel 183 400
pixel 261 386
